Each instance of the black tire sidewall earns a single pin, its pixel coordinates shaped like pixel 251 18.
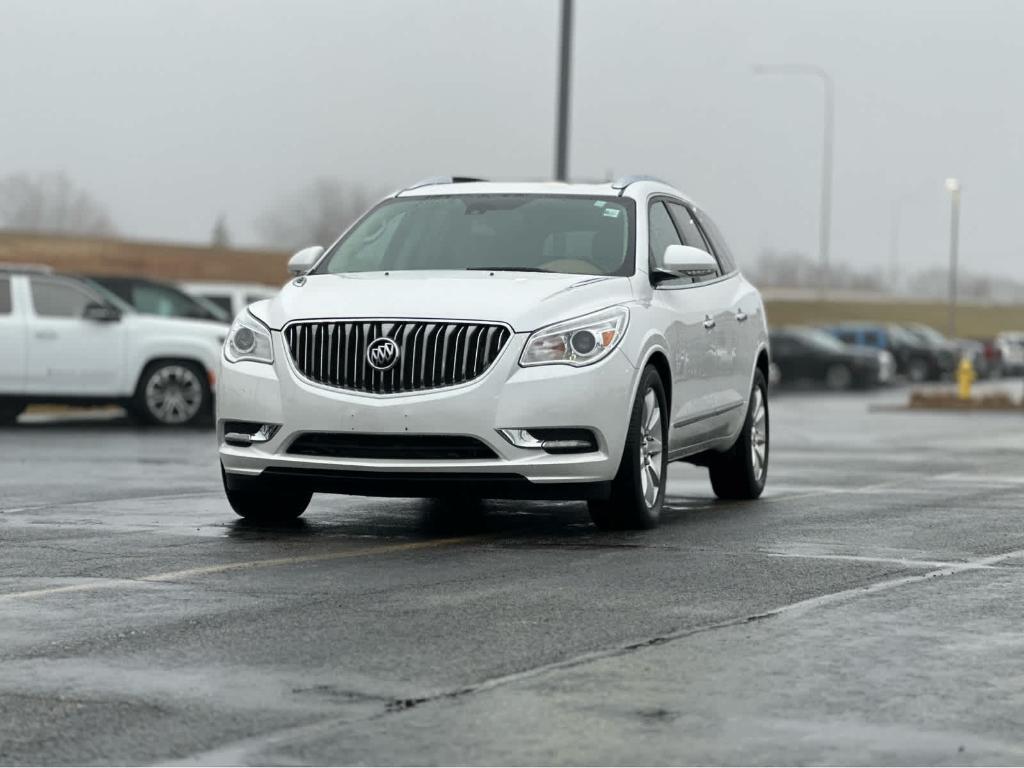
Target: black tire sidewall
pixel 627 502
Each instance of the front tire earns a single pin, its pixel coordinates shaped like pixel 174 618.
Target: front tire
pixel 741 472
pixel 263 502
pixel 638 489
pixel 839 377
pixel 173 393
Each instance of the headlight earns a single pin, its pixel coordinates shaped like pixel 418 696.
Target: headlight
pixel 248 339
pixel 578 342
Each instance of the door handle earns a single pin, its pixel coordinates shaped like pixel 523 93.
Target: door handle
pixel 741 316
pixel 46 335
pixel 709 322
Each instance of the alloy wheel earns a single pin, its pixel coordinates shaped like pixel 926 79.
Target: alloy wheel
pixel 174 394
pixel 650 448
pixel 759 435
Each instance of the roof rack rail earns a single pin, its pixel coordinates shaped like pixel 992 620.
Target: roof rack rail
pixel 432 180
pixel 35 269
pixel 624 181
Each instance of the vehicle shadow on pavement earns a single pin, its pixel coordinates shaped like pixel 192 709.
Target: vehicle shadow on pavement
pixel 513 522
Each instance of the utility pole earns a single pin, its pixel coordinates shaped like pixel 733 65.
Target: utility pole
pixel 828 139
pixel 564 81
pixel 953 185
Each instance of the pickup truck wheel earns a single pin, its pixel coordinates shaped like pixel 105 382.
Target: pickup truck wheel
pixel 740 472
pixel 638 489
pixel 172 393
pixel 265 503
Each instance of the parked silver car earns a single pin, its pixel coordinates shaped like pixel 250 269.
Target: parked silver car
pixel 466 338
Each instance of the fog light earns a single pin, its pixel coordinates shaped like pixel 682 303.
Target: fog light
pixel 552 439
pixel 245 433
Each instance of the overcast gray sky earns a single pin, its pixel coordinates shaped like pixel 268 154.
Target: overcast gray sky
pixel 172 111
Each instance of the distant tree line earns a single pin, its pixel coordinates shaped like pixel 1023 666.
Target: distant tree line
pixel 314 214
pixel 51 203
pixel 793 269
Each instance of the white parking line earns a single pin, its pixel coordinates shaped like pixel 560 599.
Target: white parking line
pixel 172 576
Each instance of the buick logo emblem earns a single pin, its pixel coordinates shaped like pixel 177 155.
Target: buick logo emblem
pixel 382 354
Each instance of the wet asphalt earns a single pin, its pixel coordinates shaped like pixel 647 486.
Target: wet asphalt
pixel 869 609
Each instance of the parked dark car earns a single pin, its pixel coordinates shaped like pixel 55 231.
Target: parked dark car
pixel 915 359
pixel 974 350
pixel 809 355
pixel 152 297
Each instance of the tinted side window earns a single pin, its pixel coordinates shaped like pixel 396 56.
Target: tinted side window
pixel 222 301
pixel 55 299
pixel 5 295
pixel 784 347
pixel 849 337
pixel 158 300
pixel 725 257
pixel 688 227
pixel 662 232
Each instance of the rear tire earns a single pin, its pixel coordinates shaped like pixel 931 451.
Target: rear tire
pixel 741 472
pixel 918 370
pixel 266 503
pixel 638 489
pixel 173 393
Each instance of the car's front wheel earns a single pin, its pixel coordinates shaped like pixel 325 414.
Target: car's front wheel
pixel 266 503
pixel 740 472
pixel 173 393
pixel 638 489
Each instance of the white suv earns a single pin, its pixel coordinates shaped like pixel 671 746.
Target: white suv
pixel 68 340
pixel 502 340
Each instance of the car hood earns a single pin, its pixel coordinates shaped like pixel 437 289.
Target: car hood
pixel 524 300
pixel 184 326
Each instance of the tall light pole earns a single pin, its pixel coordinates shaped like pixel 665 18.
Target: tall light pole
pixel 953 186
pixel 828 138
pixel 564 81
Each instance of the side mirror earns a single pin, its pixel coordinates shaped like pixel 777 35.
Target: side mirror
pixel 101 313
pixel 686 261
pixel 303 261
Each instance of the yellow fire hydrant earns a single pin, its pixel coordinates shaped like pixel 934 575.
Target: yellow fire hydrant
pixel 965 376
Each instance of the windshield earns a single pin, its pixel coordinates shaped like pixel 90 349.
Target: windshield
pixel 108 296
pixel 820 339
pixel 156 299
pixel 927 333
pixel 528 233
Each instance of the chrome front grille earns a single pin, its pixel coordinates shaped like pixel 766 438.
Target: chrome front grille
pixel 431 354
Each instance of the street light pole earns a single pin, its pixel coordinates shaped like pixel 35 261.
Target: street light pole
pixel 564 81
pixel 828 139
pixel 953 185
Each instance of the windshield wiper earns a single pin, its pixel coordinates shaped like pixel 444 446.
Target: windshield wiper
pixel 508 269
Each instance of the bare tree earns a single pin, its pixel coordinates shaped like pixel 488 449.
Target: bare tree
pixel 50 203
pixel 220 238
pixel 314 215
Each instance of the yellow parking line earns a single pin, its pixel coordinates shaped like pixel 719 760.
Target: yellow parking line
pixel 169 576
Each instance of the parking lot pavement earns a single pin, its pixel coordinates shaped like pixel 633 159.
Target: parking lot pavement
pixel 867 609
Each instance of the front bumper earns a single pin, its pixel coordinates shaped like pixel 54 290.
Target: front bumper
pixel 597 397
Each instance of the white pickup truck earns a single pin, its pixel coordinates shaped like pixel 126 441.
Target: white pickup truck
pixel 67 340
